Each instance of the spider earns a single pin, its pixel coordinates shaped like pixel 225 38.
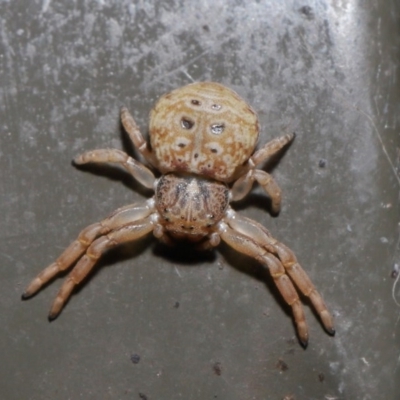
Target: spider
pixel 202 141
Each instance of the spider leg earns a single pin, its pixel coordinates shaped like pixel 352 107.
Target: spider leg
pixel 122 216
pixel 128 233
pixel 141 173
pixel 303 282
pixel 211 241
pixel 262 237
pixel 245 245
pixel 136 137
pixel 243 185
pixel 160 233
pixel 271 148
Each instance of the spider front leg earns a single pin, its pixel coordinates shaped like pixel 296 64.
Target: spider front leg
pixel 243 185
pixel 141 173
pixel 121 217
pixel 136 137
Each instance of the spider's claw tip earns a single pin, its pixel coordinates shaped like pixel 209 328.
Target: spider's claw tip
pixel 331 331
pixel 304 343
pixel 51 317
pixel 25 296
pixel 77 161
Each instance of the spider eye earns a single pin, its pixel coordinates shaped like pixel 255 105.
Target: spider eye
pixel 196 102
pixel 217 129
pixel 186 123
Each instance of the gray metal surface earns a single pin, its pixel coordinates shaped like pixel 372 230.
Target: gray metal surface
pixel 204 327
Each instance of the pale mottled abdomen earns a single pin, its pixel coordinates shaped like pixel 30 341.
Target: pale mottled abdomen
pixel 190 206
pixel 203 128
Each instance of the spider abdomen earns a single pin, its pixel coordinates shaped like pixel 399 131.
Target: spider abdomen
pixel 205 129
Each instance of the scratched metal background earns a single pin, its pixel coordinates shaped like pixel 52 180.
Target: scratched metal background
pixel 155 325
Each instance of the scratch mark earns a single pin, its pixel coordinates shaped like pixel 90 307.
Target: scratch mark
pixel 10 258
pixel 377 133
pixel 365 114
pixel 394 289
pixel 45 6
pixel 188 75
pixel 177 272
pixel 364 360
pixel 172 72
pixel 372 122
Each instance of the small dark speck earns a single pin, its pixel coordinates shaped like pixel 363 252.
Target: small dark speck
pixel 176 305
pixel 322 163
pixel 321 377
pixel 395 271
pixel 307 11
pixel 291 341
pixel 217 369
pixel 143 396
pixel 135 358
pixel 290 351
pixel 206 28
pixel 281 365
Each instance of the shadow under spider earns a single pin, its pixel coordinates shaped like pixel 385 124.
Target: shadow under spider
pixel 186 255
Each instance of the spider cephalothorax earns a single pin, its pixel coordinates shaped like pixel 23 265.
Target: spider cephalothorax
pixel 202 139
